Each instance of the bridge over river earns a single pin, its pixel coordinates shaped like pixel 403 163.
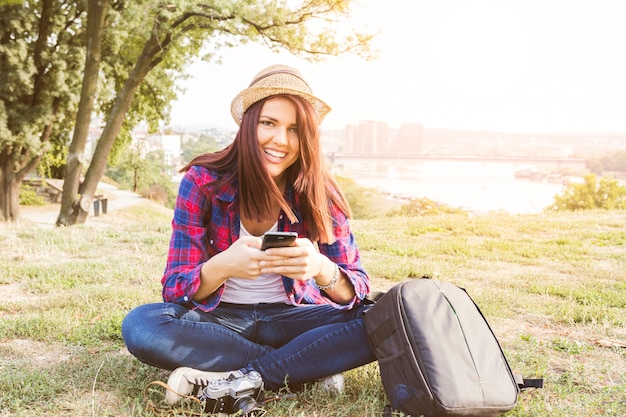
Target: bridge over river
pixel 544 162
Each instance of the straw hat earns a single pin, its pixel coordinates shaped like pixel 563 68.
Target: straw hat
pixel 273 80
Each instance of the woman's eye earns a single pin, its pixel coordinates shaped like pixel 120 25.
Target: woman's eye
pixel 266 123
pixel 293 130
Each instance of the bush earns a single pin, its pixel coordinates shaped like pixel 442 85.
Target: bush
pixel 148 176
pixel 424 207
pixel 156 193
pixel 28 197
pixel 605 193
pixel 367 203
pixel 361 199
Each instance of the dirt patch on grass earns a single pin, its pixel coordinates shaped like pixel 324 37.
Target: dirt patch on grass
pixel 44 354
pixel 10 293
pixel 16 293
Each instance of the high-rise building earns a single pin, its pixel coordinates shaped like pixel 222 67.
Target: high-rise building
pixel 370 137
pixel 410 140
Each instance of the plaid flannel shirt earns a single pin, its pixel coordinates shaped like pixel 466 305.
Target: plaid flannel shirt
pixel 194 241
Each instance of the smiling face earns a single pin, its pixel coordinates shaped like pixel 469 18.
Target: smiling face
pixel 277 134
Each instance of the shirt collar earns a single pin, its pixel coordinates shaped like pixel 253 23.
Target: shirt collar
pixel 227 191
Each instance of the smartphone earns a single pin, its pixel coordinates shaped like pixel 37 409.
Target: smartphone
pixel 278 239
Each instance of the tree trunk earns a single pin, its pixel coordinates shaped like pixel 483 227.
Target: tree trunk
pixel 98 164
pixel 11 203
pixel 11 177
pixel 122 103
pixel 70 203
pixel 10 192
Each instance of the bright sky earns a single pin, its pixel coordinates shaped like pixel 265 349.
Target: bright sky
pixel 500 65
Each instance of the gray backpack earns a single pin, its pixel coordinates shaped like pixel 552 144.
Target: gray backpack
pixel 437 355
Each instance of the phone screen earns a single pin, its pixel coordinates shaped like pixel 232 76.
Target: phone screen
pixel 278 239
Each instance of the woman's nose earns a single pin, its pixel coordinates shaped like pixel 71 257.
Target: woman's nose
pixel 280 136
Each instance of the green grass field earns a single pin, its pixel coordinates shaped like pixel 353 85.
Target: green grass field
pixel 553 287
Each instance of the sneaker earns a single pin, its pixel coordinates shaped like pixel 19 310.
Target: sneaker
pixel 188 381
pixel 333 383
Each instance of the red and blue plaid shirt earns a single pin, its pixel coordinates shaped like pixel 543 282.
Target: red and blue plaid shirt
pixel 194 241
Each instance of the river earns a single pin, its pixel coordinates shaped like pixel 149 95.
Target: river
pixel 474 186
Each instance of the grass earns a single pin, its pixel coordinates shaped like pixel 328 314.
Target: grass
pixel 553 287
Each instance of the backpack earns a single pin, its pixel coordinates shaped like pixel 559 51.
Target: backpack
pixel 437 354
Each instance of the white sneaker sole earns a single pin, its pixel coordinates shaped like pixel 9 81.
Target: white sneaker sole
pixel 180 386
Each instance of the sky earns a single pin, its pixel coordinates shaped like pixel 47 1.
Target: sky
pixel 527 66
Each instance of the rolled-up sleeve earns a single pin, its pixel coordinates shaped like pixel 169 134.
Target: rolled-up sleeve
pixel 345 253
pixel 187 249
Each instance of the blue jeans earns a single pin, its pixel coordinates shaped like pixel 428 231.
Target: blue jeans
pixel 283 342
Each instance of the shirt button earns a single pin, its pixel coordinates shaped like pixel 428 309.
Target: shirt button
pixel 185 298
pixel 211 241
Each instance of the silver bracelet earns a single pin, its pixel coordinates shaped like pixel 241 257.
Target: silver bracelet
pixel 333 280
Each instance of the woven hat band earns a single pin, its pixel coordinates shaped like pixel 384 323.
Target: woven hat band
pixel 284 71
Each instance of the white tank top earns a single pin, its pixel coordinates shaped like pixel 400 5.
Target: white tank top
pixel 267 288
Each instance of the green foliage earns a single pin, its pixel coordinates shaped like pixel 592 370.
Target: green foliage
pixel 28 197
pixel 424 207
pixel 615 162
pixel 146 47
pixel 594 165
pixel 368 203
pixel 606 194
pixel 192 148
pixel 150 176
pixel 52 164
pixel 363 201
pixel 41 59
pixel 40 79
pixel 127 171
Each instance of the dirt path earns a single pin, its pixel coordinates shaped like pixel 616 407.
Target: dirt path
pixel 47 215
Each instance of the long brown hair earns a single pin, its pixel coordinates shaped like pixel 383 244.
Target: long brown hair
pixel 315 187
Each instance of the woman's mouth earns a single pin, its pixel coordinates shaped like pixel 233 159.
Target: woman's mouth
pixel 274 154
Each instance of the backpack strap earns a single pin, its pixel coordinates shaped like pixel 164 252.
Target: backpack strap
pixel 524 383
pixel 373 296
pixel 388 411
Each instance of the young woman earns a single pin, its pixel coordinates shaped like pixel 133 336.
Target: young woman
pixel 292 314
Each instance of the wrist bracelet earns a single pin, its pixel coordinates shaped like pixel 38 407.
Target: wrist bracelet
pixel 333 281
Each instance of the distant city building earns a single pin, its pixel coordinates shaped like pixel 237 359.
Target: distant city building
pixel 332 141
pixel 169 143
pixel 350 140
pixel 370 137
pixel 409 140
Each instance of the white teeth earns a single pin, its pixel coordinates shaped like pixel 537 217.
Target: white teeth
pixel 274 153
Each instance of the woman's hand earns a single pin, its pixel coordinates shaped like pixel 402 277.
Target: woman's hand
pixel 300 262
pixel 242 258
pixel 303 261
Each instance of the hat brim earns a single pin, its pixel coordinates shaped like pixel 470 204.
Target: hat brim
pixel 251 95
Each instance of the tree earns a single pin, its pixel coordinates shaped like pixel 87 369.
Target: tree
pixel 170 33
pixel 612 163
pixel 125 57
pixel 96 14
pixel 129 170
pixel 615 162
pixel 595 165
pixel 192 148
pixel 41 48
pixel 147 175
